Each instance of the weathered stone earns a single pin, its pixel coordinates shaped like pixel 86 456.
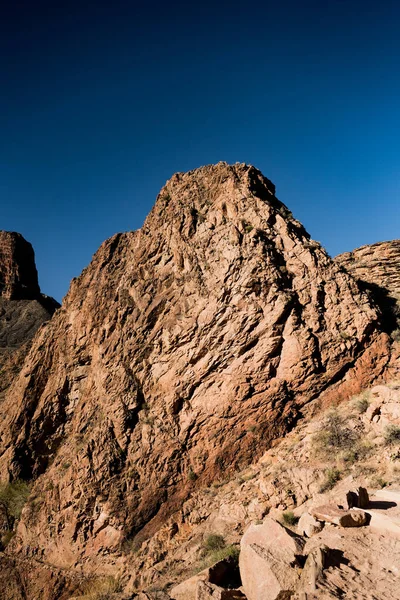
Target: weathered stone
pixel 210 591
pixel 363 498
pixel 308 525
pixel 217 578
pixel 352 500
pixel 345 518
pixel 313 569
pixel 268 561
pixel 187 590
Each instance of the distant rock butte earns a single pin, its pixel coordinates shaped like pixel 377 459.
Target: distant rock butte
pixel 18 274
pixel 23 309
pixel 180 353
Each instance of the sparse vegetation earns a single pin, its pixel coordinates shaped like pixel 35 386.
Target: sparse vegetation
pixel 358 452
pixel 100 588
pixel 13 497
pixel 192 475
pixel 247 227
pixel 289 518
pixel 332 476
pixel 334 435
pixel 392 435
pixel 213 542
pixel 232 552
pixel 378 482
pixel 344 336
pixel 361 402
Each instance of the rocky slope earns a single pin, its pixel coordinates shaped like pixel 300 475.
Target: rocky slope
pixel 218 318
pixel 23 308
pixel 377 268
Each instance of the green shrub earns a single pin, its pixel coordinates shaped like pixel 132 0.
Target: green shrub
pixel 192 475
pixel 213 542
pixel 362 404
pixel 289 518
pixel 392 435
pixel 247 226
pixel 332 476
pixel 229 552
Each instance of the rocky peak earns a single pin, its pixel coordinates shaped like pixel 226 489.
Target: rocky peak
pixel 180 353
pixel 18 274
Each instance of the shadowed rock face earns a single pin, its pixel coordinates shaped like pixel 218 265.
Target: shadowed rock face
pixel 18 274
pixel 178 355
pixel 23 308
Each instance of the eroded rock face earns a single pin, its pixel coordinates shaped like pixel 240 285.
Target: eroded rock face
pixel 23 308
pixel 377 267
pixel 18 274
pixel 220 317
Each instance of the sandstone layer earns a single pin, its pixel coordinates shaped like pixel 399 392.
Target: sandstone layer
pixel 217 318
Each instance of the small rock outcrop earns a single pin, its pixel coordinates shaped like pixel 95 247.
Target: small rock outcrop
pixel 308 525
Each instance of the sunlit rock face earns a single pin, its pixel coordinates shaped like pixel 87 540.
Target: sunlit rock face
pixel 178 355
pixel 377 268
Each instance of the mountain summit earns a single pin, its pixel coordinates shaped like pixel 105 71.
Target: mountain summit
pixel 180 353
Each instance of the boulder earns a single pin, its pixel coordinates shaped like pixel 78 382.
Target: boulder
pixel 352 500
pixel 187 590
pixel 344 518
pixel 214 582
pixel 269 561
pixel 308 525
pixel 363 498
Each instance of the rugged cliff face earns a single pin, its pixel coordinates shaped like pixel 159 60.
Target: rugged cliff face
pixel 377 268
pixel 23 308
pixel 218 317
pixel 18 274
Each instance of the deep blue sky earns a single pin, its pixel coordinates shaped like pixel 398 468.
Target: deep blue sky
pixel 101 102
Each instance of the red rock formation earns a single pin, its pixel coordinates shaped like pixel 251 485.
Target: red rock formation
pixel 23 308
pixel 18 274
pixel 377 267
pixel 217 317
